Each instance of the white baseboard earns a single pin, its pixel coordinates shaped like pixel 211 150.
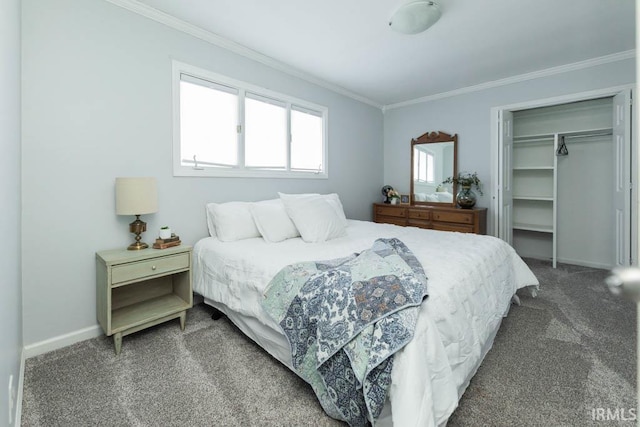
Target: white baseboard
pixel 582 263
pixel 61 341
pixel 568 261
pixel 17 420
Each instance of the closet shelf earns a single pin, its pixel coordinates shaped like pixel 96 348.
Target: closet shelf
pixel 534 137
pixel 548 137
pixel 534 198
pixel 533 227
pixel 533 141
pixel 533 168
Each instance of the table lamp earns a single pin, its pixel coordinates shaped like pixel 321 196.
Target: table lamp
pixel 136 196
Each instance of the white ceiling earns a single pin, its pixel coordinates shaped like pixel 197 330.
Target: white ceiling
pixel 347 43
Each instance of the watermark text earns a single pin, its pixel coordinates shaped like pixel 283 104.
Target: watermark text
pixel 613 414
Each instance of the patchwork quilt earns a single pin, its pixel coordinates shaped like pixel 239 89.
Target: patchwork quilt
pixel 344 319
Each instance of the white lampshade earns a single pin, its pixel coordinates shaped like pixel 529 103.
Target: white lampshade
pixel 415 17
pixel 136 196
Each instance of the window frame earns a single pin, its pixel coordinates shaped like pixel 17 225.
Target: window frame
pixel 242 171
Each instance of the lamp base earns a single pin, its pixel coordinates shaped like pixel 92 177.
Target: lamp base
pixel 136 246
pixel 137 227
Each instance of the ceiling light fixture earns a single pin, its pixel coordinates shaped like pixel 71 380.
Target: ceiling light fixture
pixel 415 17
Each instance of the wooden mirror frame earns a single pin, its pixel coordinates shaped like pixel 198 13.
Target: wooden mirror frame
pixel 430 138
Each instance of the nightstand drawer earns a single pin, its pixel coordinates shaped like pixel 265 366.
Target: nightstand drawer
pixel 153 267
pixel 457 217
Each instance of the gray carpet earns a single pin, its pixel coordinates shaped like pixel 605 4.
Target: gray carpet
pixel 556 360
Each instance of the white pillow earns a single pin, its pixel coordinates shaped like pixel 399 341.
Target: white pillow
pixel 211 221
pixel 233 221
pixel 444 196
pixel 334 201
pixel 315 216
pixel 272 221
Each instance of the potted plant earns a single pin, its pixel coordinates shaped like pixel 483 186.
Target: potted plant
pixel 165 232
pixel 394 197
pixel 465 181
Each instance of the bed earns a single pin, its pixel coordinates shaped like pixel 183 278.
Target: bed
pixel 471 280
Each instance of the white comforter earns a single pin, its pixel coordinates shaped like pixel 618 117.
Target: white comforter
pixel 471 280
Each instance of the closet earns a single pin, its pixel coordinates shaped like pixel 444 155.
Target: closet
pixel 563 175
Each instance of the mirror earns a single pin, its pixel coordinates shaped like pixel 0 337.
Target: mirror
pixel 433 159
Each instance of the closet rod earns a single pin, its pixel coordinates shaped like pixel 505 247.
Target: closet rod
pixel 587 135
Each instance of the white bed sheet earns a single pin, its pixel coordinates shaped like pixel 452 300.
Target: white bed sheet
pixel 471 280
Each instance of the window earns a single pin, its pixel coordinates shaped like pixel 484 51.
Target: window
pixel 423 167
pixel 224 127
pixel 265 141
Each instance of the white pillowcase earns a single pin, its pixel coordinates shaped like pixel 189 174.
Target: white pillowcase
pixel 211 221
pixel 272 221
pixel 444 196
pixel 334 201
pixel 233 221
pixel 317 217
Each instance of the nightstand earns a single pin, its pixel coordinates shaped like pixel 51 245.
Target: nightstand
pixel 139 289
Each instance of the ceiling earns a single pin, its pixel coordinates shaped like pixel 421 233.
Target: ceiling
pixel 349 45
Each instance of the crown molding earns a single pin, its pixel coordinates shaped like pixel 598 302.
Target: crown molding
pixel 195 31
pixel 620 56
pixel 180 25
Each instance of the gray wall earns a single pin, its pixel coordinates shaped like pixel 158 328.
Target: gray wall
pixel 97 105
pixel 10 291
pixel 469 115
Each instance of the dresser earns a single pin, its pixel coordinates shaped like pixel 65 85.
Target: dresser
pixel 446 218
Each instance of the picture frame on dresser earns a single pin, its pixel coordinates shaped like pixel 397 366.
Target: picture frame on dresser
pixel 405 199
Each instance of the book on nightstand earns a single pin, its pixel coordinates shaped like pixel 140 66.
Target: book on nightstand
pixel 167 243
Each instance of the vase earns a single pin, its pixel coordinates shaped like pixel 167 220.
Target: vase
pixel 466 198
pixel 394 200
pixel 165 233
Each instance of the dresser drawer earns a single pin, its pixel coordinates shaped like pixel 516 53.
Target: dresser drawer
pixel 419 214
pixel 390 211
pixel 448 226
pixel 153 267
pixel 457 217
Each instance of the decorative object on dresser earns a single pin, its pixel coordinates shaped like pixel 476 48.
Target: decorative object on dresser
pixel 136 196
pixel 394 197
pixel 387 192
pixel 167 243
pixel 136 290
pixel 165 232
pixel 465 197
pixel 433 158
pixel 445 218
pixel 405 199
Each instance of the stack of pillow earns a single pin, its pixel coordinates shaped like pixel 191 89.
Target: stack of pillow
pixel 314 217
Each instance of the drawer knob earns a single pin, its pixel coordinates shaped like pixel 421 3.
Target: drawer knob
pixel 153 267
